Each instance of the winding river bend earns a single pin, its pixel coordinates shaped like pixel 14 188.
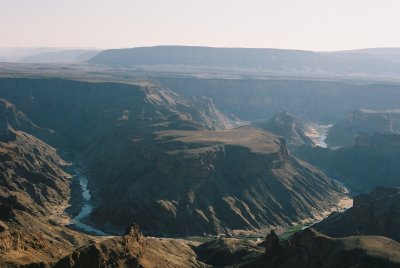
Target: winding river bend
pixel 87 207
pixel 316 132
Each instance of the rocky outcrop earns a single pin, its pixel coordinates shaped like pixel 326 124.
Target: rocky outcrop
pixel 125 251
pixel 34 190
pixel 31 241
pixel 10 116
pixel 272 244
pixel 375 213
pixel 228 252
pixel 13 119
pixel 31 174
pixel 177 110
pixel 133 250
pixel 284 124
pixel 369 122
pixel 373 161
pixel 314 250
pixel 3 227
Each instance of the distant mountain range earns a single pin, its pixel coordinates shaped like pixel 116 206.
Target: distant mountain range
pixel 367 61
pixel 364 62
pixel 73 55
pixel 388 53
pixel 17 53
pixel 46 55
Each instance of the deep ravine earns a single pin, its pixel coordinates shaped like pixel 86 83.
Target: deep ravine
pixel 87 206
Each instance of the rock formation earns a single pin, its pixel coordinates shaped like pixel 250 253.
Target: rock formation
pixel 375 213
pixel 133 250
pixel 223 181
pixel 369 122
pixel 176 162
pixel 34 190
pixel 372 161
pixel 228 252
pixel 311 249
pixel 255 99
pixel 215 182
pixel 284 124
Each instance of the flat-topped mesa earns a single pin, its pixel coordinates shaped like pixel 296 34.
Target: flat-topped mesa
pixel 216 181
pixel 244 151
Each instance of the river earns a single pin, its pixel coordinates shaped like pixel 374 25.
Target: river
pixel 317 133
pixel 86 208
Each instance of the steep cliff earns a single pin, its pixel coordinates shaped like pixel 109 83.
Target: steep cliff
pixel 314 250
pixel 375 213
pixel 34 190
pixel 196 182
pixel 372 161
pixel 369 122
pixel 201 181
pixel 320 101
pixel 286 125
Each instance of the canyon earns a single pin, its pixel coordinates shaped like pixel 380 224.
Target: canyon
pixel 139 154
pixel 113 170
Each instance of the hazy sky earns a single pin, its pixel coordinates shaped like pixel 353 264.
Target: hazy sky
pixel 301 24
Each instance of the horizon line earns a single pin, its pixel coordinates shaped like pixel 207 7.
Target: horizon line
pixel 199 46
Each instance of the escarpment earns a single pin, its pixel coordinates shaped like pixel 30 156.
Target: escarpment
pixel 171 163
pixel 364 121
pixel 312 249
pixel 375 213
pixel 287 126
pixel 34 190
pixel 244 150
pixel 211 181
pixel 372 161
